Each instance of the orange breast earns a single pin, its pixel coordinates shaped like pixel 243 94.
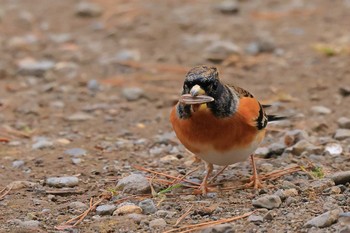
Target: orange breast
pixel 204 129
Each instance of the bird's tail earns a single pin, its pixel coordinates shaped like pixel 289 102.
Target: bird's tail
pixel 275 118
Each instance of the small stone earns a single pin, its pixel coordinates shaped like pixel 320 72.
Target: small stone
pixel 264 44
pixel 344 91
pixel 261 151
pixel 18 163
pixel 290 200
pixel 220 50
pixel 270 215
pixel 332 190
pixel 42 143
pixel 294 136
pixel 303 146
pixel 132 93
pixel 334 149
pixel 128 209
pixel 148 206
pixel 255 218
pixel 105 209
pixel 77 205
pixel 93 85
pixel 137 218
pixel 276 149
pixel 165 214
pixel 321 184
pixel 266 167
pixel 79 116
pixel 134 184
pixel 344 122
pixel 267 201
pixel 222 228
pixel 283 194
pixel 325 219
pixel 29 66
pixel 157 224
pixel 128 55
pixel 76 152
pixel 64 181
pixel 342 134
pixel 321 110
pixel 29 224
pixel 76 161
pixel 88 9
pixel 342 177
pixel 228 7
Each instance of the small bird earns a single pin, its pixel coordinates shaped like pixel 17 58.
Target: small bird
pixel 220 123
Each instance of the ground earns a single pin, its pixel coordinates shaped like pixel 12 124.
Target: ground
pixel 104 78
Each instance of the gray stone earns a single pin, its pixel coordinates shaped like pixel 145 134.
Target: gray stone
pixel 276 148
pixel 134 184
pixel 88 9
pixel 137 218
pixel 325 219
pixel 255 218
pixel 18 163
pixel 148 206
pixel 42 143
pixel 105 209
pixel 64 181
pixel 342 177
pixel 220 50
pixel 334 148
pixel 157 224
pixel 79 116
pixel 321 110
pixel 267 201
pixel 303 146
pixel 344 91
pixel 32 67
pixel 228 7
pixel 341 134
pixel 266 167
pixel 76 161
pixel 222 228
pixel 293 136
pixel 93 85
pixel 165 214
pixel 76 152
pixel 77 205
pixel 283 194
pixel 132 93
pixel 321 184
pixel 344 122
pixel 29 224
pixel 261 151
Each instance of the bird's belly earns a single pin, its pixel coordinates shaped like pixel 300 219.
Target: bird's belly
pixel 228 157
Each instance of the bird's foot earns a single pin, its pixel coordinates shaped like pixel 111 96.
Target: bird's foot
pixel 254 183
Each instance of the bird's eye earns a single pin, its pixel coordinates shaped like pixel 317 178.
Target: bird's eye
pixel 214 85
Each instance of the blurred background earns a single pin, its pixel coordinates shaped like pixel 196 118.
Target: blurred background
pixel 102 75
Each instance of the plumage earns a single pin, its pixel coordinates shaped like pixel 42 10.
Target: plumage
pixel 226 128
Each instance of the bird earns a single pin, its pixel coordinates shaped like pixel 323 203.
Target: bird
pixel 220 123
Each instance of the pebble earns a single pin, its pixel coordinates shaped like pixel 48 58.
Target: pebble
pixel 165 214
pixel 321 110
pixel 42 143
pixel 77 205
pixel 18 163
pixel 266 167
pixel 344 122
pixel 79 116
pixel 267 201
pixel 64 181
pixel 76 161
pixel 157 224
pixel 220 50
pixel 228 7
pixel 88 9
pixel 261 151
pixel 290 200
pixel 342 177
pixel 29 224
pixel 304 145
pixel 134 184
pixel 344 91
pixel 293 136
pixel 29 66
pixel 128 55
pixel 283 194
pixel 137 218
pixel 128 209
pixel 341 134
pixel 255 218
pixel 93 85
pixel 76 152
pixel 148 206
pixel 276 149
pixel 324 220
pixel 105 209
pixel 334 149
pixel 222 228
pixel 132 93
pixel 321 184
pixel 264 44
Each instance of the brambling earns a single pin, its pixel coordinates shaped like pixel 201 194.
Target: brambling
pixel 222 124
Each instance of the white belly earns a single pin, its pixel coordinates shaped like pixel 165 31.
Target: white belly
pixel 226 158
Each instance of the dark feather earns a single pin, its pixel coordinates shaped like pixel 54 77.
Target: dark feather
pixel 275 118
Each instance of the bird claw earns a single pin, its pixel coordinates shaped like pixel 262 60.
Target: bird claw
pixel 254 183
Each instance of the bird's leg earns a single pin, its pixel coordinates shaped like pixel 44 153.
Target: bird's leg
pixel 195 158
pixel 204 185
pixel 255 182
pixel 217 174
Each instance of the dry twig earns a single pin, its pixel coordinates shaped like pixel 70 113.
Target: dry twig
pixel 182 217
pixel 5 191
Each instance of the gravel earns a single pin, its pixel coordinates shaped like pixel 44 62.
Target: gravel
pixel 325 219
pixel 65 181
pixel 105 209
pixel 76 152
pixel 148 206
pixel 341 134
pixel 132 93
pixel 267 201
pixel 342 177
pixel 134 184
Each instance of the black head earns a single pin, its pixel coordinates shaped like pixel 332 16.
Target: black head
pixel 206 77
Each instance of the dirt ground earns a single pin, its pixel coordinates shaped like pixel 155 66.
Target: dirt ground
pixel 104 79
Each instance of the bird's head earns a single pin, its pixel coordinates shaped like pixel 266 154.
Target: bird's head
pixel 201 85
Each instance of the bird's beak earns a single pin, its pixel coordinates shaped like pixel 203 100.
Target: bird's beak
pixel 197 96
